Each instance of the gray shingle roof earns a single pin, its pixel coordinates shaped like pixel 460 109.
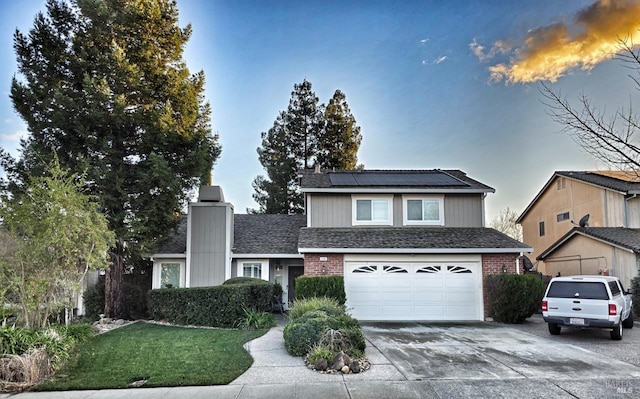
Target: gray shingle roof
pixel 267 234
pixel 176 241
pixel 602 180
pixel 426 179
pixel 420 238
pixel 619 236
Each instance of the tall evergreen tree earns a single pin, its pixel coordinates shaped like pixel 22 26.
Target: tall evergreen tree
pixel 104 85
pixel 339 141
pixel 290 145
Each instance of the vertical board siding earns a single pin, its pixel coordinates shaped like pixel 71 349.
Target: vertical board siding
pixel 208 243
pixel 463 211
pixel 633 213
pixel 331 210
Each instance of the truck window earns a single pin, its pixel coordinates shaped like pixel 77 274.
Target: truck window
pixel 613 286
pixel 575 289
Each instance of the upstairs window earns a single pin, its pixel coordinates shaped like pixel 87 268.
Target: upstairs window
pixel 372 210
pixel 424 210
pixel 541 228
pixel 561 183
pixel 563 216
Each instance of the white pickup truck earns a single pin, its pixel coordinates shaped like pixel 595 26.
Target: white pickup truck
pixel 587 302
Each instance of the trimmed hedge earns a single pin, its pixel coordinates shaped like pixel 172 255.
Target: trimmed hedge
pixel 321 286
pixel 219 306
pixel 513 297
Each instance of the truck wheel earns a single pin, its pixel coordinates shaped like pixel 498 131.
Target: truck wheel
pixel 616 333
pixel 554 329
pixel 628 322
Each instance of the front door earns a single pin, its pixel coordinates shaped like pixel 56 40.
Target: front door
pixel 294 271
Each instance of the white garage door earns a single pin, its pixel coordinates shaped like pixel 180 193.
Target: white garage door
pixel 414 291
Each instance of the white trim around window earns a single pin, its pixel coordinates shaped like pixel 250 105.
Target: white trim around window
pixel 372 210
pixel 168 272
pixel 421 210
pixel 258 268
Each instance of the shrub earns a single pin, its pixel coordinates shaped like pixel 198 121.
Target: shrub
pixel 321 286
pixel 243 280
pixel 94 301
pixel 254 320
pixel 320 352
pixel 219 306
pixel 635 285
pixel 303 306
pixel 301 334
pixel 513 297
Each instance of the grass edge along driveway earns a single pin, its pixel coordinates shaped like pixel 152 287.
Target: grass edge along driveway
pixel 161 355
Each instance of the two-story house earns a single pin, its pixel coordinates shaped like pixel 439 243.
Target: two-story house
pixel 608 242
pixel 411 244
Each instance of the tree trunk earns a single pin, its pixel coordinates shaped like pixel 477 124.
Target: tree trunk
pixel 114 306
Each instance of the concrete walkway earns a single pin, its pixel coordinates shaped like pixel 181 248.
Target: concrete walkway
pixel 275 374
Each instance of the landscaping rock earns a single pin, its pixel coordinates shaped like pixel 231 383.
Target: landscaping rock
pixel 340 360
pixel 354 366
pixel 345 370
pixel 321 365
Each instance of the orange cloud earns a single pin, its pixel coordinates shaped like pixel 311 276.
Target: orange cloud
pixel 547 53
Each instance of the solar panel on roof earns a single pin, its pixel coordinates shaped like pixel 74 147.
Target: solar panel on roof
pixel 431 178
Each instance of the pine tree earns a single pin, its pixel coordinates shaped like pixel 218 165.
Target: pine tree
pixel 299 139
pixel 104 85
pixel 340 139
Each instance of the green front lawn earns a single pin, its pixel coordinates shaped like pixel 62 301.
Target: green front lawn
pixel 162 355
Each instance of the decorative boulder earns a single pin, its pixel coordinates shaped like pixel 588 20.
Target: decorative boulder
pixel 339 361
pixel 354 366
pixel 345 370
pixel 321 365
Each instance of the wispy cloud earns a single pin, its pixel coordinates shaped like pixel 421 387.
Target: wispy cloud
pixel 440 59
pixel 549 52
pixel 423 41
pixel 14 137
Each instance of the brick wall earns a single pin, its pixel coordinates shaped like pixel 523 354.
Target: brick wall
pixel 333 264
pixel 494 264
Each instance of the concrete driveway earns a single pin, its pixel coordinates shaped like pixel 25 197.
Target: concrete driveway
pixel 482 359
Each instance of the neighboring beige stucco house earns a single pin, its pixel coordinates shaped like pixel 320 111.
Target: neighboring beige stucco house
pixel 550 224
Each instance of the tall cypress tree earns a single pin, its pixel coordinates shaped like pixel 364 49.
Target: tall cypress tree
pixel 305 135
pixel 339 141
pixel 104 85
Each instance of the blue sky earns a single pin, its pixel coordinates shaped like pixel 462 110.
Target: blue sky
pixel 433 84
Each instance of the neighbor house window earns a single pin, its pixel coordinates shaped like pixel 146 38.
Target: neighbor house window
pixel 561 183
pixel 541 228
pixel 375 211
pixel 563 216
pixel 424 210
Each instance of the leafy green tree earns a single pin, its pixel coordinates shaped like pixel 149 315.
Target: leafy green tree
pixel 54 235
pixel 339 141
pixel 305 135
pixel 104 84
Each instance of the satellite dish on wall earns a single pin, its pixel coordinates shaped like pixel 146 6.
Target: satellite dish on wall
pixel 584 221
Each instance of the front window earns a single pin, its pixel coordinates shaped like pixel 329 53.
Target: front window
pixel 425 210
pixel 375 211
pixel 170 275
pixel 252 270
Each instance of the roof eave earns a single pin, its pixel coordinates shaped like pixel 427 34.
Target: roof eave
pixel 369 190
pixel 415 250
pixel 266 255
